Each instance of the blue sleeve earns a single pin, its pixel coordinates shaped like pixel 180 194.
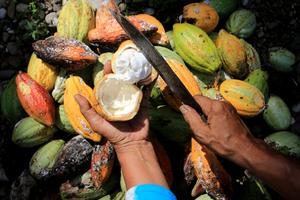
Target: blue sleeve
pixel 149 192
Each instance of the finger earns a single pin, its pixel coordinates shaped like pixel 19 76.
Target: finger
pixel 107 67
pixel 193 119
pixel 97 123
pixel 205 103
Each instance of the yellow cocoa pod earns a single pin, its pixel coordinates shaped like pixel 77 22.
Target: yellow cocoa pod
pixel 232 53
pixel 75 20
pixel 43 73
pixel 75 85
pixel 244 97
pixel 160 37
pixel 185 76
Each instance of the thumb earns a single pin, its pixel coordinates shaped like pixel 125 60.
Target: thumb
pixel 193 118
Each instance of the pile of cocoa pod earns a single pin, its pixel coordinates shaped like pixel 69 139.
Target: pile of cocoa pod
pixel 209 52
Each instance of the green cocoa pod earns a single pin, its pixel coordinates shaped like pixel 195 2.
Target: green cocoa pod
pixel 169 125
pixel 241 23
pixel 224 7
pixel 76 18
pixel 59 87
pixel 62 121
pixel 232 53
pixel 285 142
pixel 259 79
pixel 10 104
pixel 83 188
pixel 211 93
pixel 188 39
pixel 171 39
pixel 169 54
pixel 204 197
pixel 98 67
pixel 277 115
pixel 30 133
pixel 44 158
pixel 253 60
pixel 281 59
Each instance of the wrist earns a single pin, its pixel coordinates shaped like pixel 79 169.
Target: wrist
pixel 132 146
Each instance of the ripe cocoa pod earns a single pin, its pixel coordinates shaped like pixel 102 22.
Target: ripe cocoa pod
pixel 211 174
pixel 75 19
pixel 68 53
pixel 232 53
pixel 253 60
pixel 202 15
pixel 259 79
pixel 75 85
pixel 244 97
pixel 29 133
pixel 44 158
pixel 102 163
pixel 277 114
pixel 187 39
pixel 35 99
pixel 59 87
pixel 62 121
pixel 11 108
pixel 42 72
pixel 186 78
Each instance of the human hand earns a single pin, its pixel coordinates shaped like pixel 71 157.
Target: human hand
pixel 224 131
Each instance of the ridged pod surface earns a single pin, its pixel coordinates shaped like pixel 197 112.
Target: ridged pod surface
pixel 169 54
pixel 11 108
pixel 59 87
pixel 75 85
pixel 62 121
pixel 42 72
pixel 244 97
pixel 35 99
pixel 29 133
pixel 232 53
pixel 209 171
pixel 102 163
pixel 253 60
pixel 259 79
pixel 196 48
pixel 76 18
pixel 185 76
pixel 277 114
pixel 44 158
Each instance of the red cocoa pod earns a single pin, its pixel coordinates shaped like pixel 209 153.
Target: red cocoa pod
pixel 35 100
pixel 102 163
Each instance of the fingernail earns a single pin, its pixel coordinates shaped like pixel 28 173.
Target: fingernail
pixel 183 109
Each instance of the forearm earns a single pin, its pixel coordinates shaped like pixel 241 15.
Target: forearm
pixel 273 168
pixel 139 164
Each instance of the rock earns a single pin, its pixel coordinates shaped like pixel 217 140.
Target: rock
pixel 23 187
pixel 14 61
pixel 21 7
pixel 51 19
pixel 12 48
pixel 11 9
pixel 2 13
pixel 5 36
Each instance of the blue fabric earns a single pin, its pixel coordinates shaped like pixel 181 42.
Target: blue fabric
pixel 149 192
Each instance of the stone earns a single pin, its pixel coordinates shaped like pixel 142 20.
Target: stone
pixel 2 13
pixel 11 9
pixel 14 61
pixel 51 19
pixel 12 48
pixel 21 7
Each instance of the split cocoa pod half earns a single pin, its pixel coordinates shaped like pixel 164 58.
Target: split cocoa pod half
pixel 117 94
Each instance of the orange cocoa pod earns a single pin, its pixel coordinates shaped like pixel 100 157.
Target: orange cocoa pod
pixel 163 160
pixel 35 99
pixel 209 171
pixel 102 163
pixel 108 33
